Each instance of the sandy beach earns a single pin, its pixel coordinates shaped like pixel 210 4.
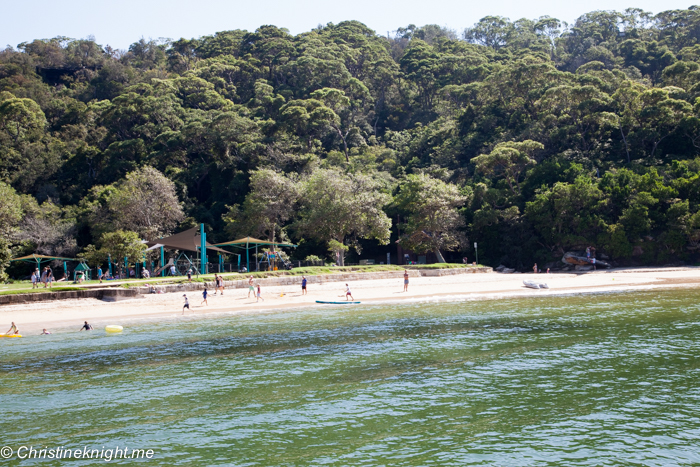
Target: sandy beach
pixel 62 314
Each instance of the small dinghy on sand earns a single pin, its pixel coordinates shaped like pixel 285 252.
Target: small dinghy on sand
pixel 535 285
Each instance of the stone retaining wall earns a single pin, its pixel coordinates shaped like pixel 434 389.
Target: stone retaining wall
pixel 453 271
pixel 100 294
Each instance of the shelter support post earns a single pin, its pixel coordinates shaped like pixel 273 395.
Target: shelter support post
pixel 203 249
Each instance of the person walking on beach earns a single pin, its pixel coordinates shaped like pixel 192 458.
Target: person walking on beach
pixel 258 296
pixel 186 305
pixel 99 273
pixel 35 278
pixel 303 285
pixel 86 327
pixel 250 286
pixel 204 295
pixel 405 280
pixel 348 293
pixel 13 330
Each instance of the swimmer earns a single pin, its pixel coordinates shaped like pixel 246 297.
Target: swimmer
pixel 45 332
pixel 86 327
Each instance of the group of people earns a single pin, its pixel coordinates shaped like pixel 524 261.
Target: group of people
pixel 45 277
pixel 252 288
pixel 218 286
pixel 14 330
pixel 255 289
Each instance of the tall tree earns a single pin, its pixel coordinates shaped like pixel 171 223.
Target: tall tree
pixel 433 221
pixel 343 208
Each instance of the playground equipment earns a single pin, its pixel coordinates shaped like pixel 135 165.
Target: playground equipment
pixel 84 269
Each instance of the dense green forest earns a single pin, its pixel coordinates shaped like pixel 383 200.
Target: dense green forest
pixel 532 137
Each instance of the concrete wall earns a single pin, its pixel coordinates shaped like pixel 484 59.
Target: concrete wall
pixel 100 294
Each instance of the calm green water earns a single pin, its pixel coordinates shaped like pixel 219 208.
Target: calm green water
pixel 607 379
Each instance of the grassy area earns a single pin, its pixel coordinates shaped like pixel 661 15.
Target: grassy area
pixel 443 266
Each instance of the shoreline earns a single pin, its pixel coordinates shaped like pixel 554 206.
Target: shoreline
pixel 66 314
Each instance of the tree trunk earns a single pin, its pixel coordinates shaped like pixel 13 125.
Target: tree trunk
pixel 626 146
pixel 440 258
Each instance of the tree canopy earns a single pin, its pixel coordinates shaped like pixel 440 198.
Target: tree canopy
pixel 532 136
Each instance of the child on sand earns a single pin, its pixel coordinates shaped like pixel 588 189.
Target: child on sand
pixel 303 285
pixel 204 294
pixel 186 305
pixel 259 297
pixel 348 293
pixel 405 280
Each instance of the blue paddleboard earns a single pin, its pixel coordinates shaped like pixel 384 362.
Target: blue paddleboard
pixel 337 303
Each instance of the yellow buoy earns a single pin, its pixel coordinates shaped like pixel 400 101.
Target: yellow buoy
pixel 113 328
pixel 10 335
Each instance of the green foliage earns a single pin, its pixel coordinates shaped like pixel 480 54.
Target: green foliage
pixel 433 221
pixel 117 245
pixel 550 135
pixel 340 207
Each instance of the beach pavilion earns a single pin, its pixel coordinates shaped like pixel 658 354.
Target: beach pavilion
pixel 248 243
pixel 38 259
pixel 189 240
